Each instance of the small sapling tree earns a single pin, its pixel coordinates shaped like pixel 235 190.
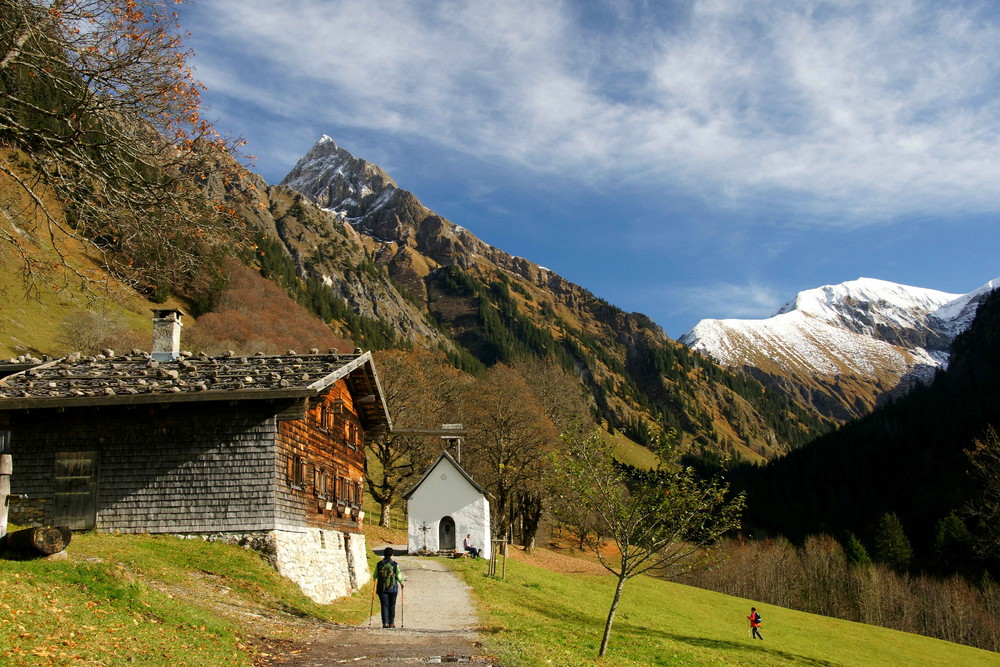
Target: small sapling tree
pixel 659 519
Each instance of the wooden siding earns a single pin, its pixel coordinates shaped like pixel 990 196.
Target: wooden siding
pixel 320 464
pixel 174 469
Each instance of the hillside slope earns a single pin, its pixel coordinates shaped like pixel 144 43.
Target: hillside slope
pixel 383 271
pixel 537 616
pixel 842 481
pixel 496 307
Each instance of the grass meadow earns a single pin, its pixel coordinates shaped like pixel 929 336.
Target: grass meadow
pixel 539 617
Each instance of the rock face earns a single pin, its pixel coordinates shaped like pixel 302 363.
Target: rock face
pixel 841 348
pixel 345 220
pixel 333 178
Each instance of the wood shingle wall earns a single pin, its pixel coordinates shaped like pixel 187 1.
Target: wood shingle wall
pixel 320 465
pixel 180 469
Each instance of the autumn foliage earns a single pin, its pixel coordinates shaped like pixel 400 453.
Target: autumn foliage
pixel 255 315
pixel 101 111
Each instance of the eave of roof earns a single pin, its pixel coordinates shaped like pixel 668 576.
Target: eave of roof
pixel 137 379
pixel 445 455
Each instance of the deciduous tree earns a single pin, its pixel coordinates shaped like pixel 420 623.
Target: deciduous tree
pixel 659 519
pixel 510 438
pixel 422 390
pixel 101 115
pixel 984 459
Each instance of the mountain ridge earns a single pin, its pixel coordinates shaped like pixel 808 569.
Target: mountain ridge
pixel 843 348
pixel 497 306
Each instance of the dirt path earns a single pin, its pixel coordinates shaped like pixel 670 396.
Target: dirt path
pixel 435 619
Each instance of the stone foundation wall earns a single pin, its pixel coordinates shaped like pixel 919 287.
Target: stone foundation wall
pixel 326 564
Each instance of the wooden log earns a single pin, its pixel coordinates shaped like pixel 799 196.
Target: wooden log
pixel 43 541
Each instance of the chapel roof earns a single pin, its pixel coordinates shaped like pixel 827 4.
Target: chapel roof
pixel 450 459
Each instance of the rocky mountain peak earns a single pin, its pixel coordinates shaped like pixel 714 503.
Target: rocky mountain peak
pixel 333 178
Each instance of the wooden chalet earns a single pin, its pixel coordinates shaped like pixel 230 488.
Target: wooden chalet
pixel 265 451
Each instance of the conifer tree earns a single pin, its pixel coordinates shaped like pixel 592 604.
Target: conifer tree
pixel 855 551
pixel 891 546
pixel 952 547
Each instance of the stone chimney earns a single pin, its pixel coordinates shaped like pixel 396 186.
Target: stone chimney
pixel 166 334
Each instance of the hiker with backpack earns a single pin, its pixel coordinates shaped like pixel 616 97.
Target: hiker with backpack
pixel 754 618
pixel 388 581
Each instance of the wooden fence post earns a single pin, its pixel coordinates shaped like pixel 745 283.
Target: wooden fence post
pixel 6 468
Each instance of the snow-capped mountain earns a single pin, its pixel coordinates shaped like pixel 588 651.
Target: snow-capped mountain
pixel 485 306
pixel 841 347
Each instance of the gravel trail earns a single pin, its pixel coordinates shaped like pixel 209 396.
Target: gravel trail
pixel 435 623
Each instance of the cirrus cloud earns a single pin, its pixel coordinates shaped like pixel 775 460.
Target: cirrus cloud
pixel 843 112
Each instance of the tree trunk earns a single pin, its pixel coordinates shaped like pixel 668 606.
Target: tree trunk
pixel 611 616
pixel 384 517
pixel 532 510
pixel 44 541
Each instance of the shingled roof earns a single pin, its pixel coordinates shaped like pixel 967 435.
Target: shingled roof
pixel 137 378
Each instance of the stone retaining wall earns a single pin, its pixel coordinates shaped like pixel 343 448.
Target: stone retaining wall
pixel 325 564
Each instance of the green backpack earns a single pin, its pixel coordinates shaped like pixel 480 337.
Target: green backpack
pixel 386 575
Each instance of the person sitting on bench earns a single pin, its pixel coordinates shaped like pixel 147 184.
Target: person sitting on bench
pixel 467 545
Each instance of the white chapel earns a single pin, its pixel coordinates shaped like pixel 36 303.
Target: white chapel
pixel 445 506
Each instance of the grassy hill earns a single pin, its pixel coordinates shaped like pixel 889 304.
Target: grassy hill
pixel 153 600
pixel 537 616
pixel 119 599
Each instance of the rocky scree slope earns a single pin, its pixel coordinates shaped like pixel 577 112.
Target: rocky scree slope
pixel 839 349
pixel 495 307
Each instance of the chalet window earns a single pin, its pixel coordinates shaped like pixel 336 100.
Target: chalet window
pixel 352 434
pixel 323 416
pixel 297 475
pixel 320 482
pixel 317 480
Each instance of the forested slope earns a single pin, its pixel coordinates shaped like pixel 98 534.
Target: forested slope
pixel 908 457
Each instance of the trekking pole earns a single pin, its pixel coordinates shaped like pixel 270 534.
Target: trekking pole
pixel 371 608
pixel 402 606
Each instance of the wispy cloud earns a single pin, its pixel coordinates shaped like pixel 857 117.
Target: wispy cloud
pixel 844 111
pixel 727 300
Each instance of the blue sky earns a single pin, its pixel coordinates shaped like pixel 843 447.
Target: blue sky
pixel 682 159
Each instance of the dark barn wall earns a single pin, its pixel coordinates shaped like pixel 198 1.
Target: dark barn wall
pixel 328 444
pixel 183 468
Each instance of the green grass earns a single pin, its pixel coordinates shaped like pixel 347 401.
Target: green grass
pixel 538 617
pixel 31 323
pixel 631 453
pixel 150 600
